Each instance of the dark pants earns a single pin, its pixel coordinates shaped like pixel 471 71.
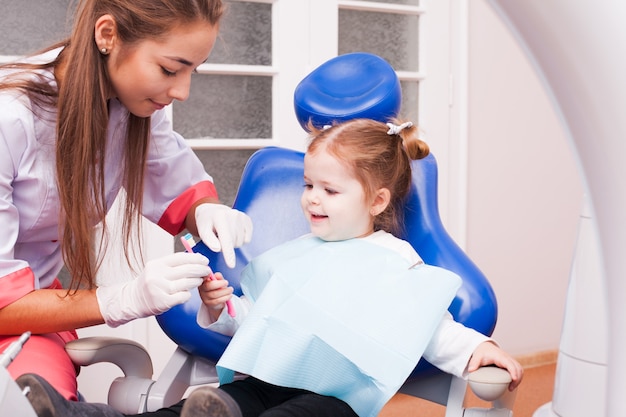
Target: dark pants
pixel 257 398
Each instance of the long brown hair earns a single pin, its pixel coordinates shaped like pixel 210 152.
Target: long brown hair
pixel 82 120
pixel 378 160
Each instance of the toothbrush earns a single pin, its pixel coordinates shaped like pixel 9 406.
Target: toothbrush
pixel 189 243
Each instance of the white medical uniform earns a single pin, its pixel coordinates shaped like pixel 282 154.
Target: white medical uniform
pixel 30 252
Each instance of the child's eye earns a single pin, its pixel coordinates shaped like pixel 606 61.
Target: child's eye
pixel 330 191
pixel 308 186
pixel 167 72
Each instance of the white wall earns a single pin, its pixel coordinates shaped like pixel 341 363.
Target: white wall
pixel 524 190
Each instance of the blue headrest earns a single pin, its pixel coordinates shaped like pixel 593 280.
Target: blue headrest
pixel 355 85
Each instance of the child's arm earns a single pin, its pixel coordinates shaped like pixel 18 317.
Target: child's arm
pixel 488 353
pixel 212 313
pixel 458 350
pixel 214 295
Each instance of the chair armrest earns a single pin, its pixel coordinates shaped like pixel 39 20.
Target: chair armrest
pixel 491 383
pixel 129 356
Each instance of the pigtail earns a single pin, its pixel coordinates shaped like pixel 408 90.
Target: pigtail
pixel 415 147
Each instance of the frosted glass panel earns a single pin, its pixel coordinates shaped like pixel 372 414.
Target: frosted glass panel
pixel 410 96
pixel 30 25
pixel 406 2
pixel 226 106
pixel 393 37
pixel 223 106
pixel 245 35
pixel 225 167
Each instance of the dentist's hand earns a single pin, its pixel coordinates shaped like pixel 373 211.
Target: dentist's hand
pixel 223 229
pixel 164 283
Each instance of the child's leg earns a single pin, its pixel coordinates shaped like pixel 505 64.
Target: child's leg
pixel 45 355
pixel 257 398
pixel 252 395
pixel 171 411
pixel 311 405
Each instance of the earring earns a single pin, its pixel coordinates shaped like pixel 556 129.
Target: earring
pixel 104 51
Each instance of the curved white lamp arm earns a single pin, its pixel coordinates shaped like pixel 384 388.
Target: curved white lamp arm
pixel 128 394
pixel 129 356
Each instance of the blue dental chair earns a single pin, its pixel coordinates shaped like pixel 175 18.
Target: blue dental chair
pixel 269 193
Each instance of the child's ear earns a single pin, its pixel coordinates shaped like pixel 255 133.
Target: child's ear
pixel 381 201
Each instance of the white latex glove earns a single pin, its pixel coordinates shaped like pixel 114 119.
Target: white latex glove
pixel 164 283
pixel 223 229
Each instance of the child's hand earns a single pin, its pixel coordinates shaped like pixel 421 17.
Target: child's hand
pixel 215 293
pixel 488 353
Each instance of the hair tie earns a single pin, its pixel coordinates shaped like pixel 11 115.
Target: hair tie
pixel 395 129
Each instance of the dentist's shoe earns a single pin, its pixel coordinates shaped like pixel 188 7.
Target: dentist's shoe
pixel 210 402
pixel 47 402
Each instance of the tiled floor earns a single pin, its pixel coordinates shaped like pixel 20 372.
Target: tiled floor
pixel 536 390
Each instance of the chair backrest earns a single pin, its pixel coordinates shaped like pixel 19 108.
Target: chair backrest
pixel 269 193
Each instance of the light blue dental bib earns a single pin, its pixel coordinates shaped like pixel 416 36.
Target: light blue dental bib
pixel 346 319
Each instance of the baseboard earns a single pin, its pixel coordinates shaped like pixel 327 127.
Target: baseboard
pixel 546 357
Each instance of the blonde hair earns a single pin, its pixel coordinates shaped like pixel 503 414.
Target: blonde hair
pixel 378 160
pixel 82 119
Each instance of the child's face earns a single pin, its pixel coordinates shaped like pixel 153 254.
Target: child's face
pixel 150 75
pixel 333 200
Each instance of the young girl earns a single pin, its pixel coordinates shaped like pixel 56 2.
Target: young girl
pixel 309 349
pixel 78 123
pixel 311 345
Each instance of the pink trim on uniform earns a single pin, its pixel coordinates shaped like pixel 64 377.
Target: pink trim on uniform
pixel 16 285
pixel 173 220
pixel 44 355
